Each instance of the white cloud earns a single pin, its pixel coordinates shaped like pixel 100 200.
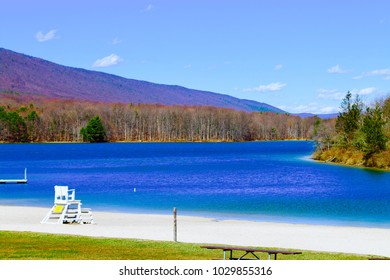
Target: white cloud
pixel 358 77
pixel 265 88
pixel 300 108
pixel 337 70
pixel 364 91
pixel 328 110
pixel 116 41
pixel 42 37
pixel 110 60
pixel 313 108
pixel 378 72
pixel 335 94
pixel 278 67
pixel 148 8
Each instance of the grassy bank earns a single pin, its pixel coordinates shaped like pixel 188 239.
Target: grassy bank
pixel 354 157
pixel 39 246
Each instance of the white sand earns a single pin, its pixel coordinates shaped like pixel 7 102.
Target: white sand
pixel 360 240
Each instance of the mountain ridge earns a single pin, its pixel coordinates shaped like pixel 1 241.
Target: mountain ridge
pixel 28 74
pixel 322 116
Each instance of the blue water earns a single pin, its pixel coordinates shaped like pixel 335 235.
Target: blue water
pixel 262 181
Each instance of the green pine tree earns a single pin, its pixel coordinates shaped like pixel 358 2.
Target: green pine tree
pixel 373 128
pixel 94 132
pixel 348 120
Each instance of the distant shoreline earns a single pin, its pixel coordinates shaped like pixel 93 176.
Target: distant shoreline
pixel 158 142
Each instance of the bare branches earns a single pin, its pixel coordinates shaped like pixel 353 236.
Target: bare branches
pixel 61 121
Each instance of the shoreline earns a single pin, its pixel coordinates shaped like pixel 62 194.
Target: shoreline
pixel 221 216
pixel 317 156
pixel 192 229
pixel 341 164
pixel 161 142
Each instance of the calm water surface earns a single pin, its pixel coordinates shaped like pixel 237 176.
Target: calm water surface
pixel 263 181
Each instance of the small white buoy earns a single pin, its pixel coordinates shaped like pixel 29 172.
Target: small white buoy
pixel 135 189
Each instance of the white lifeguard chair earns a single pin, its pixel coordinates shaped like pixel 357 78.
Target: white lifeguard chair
pixel 67 209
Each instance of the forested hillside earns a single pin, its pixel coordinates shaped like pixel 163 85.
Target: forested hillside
pixel 359 136
pixel 42 120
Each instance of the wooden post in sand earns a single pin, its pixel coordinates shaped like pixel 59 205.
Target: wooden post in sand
pixel 174 224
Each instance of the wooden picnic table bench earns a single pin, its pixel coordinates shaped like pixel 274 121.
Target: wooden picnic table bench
pixel 248 252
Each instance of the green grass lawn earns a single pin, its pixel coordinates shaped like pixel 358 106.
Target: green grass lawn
pixel 41 246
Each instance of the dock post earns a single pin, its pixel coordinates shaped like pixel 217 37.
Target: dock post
pixel 174 224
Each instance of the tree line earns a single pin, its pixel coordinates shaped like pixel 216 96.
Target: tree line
pixel 38 120
pixel 359 136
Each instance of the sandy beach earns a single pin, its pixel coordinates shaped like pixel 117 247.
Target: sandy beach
pixel 359 240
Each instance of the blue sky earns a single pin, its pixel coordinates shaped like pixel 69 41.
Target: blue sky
pixel 301 56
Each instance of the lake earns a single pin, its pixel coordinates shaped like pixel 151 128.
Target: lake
pixel 261 181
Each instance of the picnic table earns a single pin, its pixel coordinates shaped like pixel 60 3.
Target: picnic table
pixel 247 252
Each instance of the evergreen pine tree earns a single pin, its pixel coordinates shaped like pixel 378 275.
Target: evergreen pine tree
pixel 373 128
pixel 348 120
pixel 94 132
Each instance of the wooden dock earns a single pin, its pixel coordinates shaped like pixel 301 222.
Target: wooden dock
pixel 15 181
